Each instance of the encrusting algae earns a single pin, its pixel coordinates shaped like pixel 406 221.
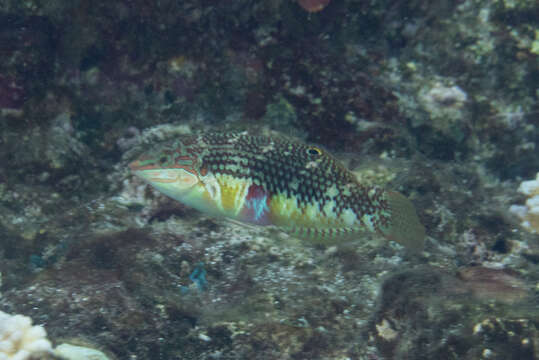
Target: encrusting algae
pixel 266 180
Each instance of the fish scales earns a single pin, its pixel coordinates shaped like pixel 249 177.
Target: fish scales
pixel 271 180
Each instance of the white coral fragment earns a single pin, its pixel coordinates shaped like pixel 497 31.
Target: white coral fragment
pixel 530 187
pixel 444 105
pixel 72 352
pixel 445 96
pixel 19 339
pixel 529 213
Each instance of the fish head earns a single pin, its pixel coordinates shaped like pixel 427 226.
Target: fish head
pixel 172 169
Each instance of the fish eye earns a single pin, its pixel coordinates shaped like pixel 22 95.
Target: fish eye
pixel 314 151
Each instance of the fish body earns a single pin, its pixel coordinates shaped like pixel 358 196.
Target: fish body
pixel 266 180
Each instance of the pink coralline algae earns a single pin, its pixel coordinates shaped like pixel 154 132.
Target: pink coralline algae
pixel 493 284
pixel 12 96
pixel 313 5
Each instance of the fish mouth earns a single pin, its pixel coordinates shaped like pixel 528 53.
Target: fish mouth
pixel 138 165
pixel 134 165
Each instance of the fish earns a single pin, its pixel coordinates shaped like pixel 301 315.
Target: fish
pixel 269 180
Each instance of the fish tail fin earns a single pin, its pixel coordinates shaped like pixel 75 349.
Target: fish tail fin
pixel 405 227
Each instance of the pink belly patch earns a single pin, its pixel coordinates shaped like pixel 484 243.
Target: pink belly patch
pixel 255 209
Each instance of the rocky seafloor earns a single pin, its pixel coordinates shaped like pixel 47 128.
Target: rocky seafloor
pixel 437 100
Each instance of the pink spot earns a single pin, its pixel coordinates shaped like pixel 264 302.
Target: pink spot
pixel 313 5
pixel 12 94
pixel 256 208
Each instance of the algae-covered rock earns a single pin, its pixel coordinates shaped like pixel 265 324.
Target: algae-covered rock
pixel 437 100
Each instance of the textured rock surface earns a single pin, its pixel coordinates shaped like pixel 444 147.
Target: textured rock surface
pixel 437 100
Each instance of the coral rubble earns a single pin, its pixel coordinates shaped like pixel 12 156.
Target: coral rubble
pixel 529 213
pixel 19 339
pixel 437 100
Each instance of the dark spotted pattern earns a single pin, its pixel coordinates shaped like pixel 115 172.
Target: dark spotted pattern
pixel 285 167
pixel 293 177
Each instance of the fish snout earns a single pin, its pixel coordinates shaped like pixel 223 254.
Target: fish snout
pixel 134 165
